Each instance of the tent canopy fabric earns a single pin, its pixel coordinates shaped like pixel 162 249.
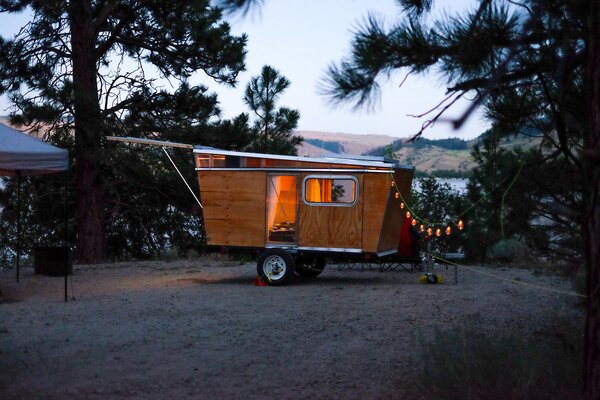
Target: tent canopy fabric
pixel 29 156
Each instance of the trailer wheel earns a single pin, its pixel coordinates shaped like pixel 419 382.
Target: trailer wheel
pixel 310 267
pixel 275 266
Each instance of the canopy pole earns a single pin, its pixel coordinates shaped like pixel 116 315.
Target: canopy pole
pixel 18 222
pixel 66 219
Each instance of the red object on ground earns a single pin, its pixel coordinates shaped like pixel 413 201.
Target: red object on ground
pixel 259 282
pixel 405 246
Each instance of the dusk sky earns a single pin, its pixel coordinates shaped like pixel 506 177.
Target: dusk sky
pixel 301 38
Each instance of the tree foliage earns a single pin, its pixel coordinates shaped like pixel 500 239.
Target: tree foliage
pixel 273 127
pixel 93 67
pixel 437 205
pixel 529 64
pixel 523 194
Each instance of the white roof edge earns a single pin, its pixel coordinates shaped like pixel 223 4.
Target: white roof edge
pixel 331 160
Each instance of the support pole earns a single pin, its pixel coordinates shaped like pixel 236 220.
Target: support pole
pixel 182 178
pixel 66 219
pixel 18 222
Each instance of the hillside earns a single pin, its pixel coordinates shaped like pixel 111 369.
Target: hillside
pixel 442 157
pixel 318 143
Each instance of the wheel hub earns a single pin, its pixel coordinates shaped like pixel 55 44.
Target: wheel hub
pixel 274 267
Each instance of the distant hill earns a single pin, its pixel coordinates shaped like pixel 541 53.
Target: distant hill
pixel 442 157
pixel 318 143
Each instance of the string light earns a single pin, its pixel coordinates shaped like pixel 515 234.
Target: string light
pixel 438 232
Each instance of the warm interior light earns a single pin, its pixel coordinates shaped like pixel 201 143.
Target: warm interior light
pixel 461 225
pixel 438 232
pixel 422 228
pixel 397 195
pixel 402 205
pixel 448 231
pixel 429 231
pixel 408 214
pixel 414 222
pixel 392 183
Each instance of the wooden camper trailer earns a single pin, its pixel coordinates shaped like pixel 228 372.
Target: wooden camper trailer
pixel 299 210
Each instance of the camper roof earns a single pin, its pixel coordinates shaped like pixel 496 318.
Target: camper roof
pixel 365 161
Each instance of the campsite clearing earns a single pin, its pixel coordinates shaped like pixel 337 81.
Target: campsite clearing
pixel 201 329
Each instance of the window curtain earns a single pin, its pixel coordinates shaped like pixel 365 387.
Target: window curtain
pixel 313 191
pixel 318 190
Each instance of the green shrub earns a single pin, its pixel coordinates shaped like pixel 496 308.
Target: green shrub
pixel 466 363
pixel 508 250
pixel 169 254
pixel 193 254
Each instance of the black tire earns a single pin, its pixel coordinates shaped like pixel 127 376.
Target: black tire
pixel 275 266
pixel 310 267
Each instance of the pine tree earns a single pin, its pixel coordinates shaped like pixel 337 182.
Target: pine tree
pixel 273 128
pixel 84 66
pixel 529 64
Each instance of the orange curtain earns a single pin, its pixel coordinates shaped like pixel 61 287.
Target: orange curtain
pixel 313 191
pixel 326 184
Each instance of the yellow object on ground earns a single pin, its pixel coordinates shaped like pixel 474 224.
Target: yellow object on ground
pixel 430 277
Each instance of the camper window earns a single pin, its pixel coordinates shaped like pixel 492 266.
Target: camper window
pixel 330 190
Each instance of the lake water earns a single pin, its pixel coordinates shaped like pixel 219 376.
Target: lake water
pixel 457 184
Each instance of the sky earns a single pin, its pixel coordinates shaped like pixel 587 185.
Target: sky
pixel 301 38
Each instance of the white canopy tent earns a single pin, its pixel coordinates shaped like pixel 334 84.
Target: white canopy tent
pixel 24 155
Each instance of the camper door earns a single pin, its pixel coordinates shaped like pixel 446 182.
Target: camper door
pixel 281 209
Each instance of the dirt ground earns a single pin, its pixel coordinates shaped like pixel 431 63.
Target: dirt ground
pixel 201 329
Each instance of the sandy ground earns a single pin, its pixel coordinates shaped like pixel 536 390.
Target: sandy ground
pixel 201 329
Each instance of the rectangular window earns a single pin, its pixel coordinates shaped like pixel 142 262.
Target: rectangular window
pixel 330 190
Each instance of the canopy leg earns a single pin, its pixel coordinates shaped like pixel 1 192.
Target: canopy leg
pixel 66 220
pixel 18 222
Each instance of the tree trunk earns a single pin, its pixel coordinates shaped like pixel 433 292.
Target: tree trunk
pixel 88 132
pixel 591 198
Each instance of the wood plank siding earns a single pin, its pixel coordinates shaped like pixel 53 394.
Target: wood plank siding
pixel 234 207
pixel 376 193
pixel 331 226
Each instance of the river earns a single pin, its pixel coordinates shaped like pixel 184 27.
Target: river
pixel 457 184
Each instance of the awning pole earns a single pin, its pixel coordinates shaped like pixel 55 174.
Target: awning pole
pixel 182 178
pixel 18 222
